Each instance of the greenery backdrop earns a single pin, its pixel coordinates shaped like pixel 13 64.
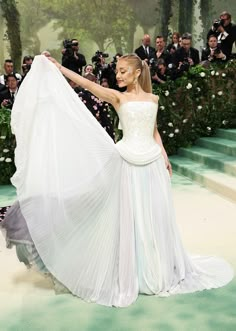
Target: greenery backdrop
pixel 108 25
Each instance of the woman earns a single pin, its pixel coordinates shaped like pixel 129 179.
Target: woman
pixel 175 43
pixel 99 215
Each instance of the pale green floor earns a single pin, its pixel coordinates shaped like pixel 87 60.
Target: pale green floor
pixel 207 225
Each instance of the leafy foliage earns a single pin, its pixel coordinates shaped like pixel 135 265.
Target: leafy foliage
pixel 7 147
pixel 206 16
pixel 12 17
pixel 31 24
pixel 101 21
pixel 196 105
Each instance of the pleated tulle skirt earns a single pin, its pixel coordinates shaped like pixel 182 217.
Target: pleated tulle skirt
pixel 103 228
pixel 119 239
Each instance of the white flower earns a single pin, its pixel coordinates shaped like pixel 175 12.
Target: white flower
pixel 173 104
pixel 5 150
pixel 199 107
pixel 3 137
pixel 171 135
pixel 167 93
pixel 162 107
pixel 2 159
pixel 223 74
pixel 189 86
pixel 170 124
pixel 224 122
pixel 8 160
pixel 202 74
pixel 176 130
pixel 213 72
pixel 217 74
pixel 185 120
pixel 164 132
pixel 208 128
pixel 213 96
pixel 220 93
pixel 198 89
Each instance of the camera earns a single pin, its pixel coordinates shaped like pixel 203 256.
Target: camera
pixel 217 51
pixel 8 104
pixel 114 62
pixel 26 68
pixel 67 44
pixel 97 57
pixel 185 64
pixel 153 66
pixel 218 22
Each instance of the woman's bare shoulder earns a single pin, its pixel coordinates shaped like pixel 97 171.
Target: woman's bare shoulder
pixel 154 97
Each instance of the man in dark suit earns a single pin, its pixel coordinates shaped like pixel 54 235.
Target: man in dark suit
pixel 213 52
pixel 2 87
pixel 145 51
pixel 225 33
pixel 161 52
pixel 7 96
pixel 186 55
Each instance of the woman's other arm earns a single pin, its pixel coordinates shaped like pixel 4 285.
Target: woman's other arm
pixel 157 137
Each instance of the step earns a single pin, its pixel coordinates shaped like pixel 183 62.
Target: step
pixel 212 179
pixel 227 134
pixel 221 145
pixel 213 159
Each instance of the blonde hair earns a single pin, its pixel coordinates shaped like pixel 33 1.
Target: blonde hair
pixel 144 78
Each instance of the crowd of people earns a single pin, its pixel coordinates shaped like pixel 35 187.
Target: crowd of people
pixel 166 61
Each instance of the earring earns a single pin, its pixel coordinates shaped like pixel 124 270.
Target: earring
pixel 135 81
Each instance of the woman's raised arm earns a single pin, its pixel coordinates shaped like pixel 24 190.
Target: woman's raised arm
pixel 103 93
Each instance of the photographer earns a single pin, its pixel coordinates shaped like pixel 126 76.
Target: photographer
pixel 158 71
pixel 225 33
pixel 71 58
pixel 26 65
pixel 100 65
pixel 105 70
pixel 185 56
pixel 212 52
pixel 7 97
pixel 9 69
pixel 88 69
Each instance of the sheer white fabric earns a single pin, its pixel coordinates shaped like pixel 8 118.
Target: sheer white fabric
pixel 100 215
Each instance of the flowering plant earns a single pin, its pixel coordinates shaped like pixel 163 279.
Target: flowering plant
pixel 7 146
pixel 196 105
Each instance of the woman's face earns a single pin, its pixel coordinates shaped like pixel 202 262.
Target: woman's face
pixel 175 39
pixel 125 73
pixel 89 69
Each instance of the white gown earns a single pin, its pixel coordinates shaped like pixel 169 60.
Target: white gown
pixel 100 215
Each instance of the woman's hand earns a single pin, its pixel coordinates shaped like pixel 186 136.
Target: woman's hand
pixel 57 64
pixel 168 166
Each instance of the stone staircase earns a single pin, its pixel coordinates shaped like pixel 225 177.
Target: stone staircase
pixel 211 162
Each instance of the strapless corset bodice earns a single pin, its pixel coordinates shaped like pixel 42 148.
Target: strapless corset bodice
pixel 137 119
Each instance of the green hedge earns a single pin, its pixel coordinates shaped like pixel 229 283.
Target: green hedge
pixel 7 146
pixel 194 105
